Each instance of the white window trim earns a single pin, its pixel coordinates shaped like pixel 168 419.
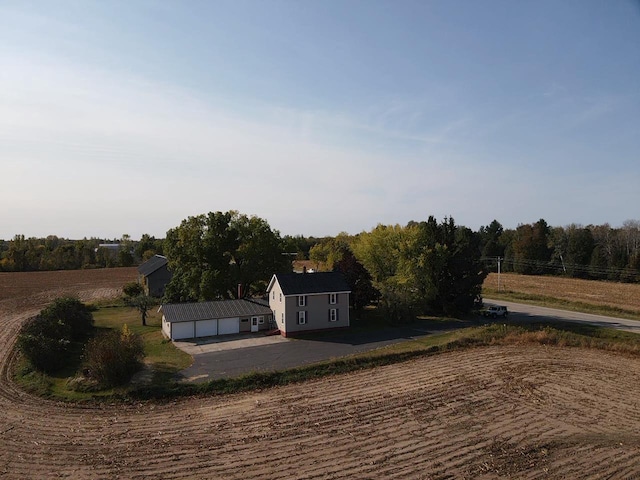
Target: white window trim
pixel 302 300
pixel 261 320
pixel 333 314
pixel 333 298
pixel 302 317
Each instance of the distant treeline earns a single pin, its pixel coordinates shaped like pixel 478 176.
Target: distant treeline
pixel 597 252
pixel 54 253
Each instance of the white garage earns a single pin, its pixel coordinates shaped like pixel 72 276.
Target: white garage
pixel 182 330
pixel 206 328
pixel 182 321
pixel 227 326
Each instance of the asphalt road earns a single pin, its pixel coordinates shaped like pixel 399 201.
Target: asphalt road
pixel 520 311
pixel 225 358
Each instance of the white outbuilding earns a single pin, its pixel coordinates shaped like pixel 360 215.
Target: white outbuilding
pixel 203 319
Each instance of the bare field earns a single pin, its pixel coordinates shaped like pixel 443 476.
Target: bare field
pixel 620 295
pixel 531 412
pixel 22 290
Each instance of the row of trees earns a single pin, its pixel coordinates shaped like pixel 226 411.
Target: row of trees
pixel 595 251
pixel 424 267
pixel 53 253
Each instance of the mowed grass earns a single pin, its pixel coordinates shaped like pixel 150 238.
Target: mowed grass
pixel 605 298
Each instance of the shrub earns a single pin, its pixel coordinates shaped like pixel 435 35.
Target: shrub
pixel 73 313
pixel 132 289
pixel 45 341
pixel 112 358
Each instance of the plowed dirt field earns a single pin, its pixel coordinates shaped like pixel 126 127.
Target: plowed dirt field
pixel 499 412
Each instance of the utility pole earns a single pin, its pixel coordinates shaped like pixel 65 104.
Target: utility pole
pixel 499 260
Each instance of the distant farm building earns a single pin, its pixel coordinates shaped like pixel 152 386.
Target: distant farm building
pixel 154 275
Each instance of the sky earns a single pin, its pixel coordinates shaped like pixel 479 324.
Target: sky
pixel 126 117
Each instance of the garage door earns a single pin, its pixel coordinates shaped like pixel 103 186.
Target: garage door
pixel 181 330
pixel 228 325
pixel 206 328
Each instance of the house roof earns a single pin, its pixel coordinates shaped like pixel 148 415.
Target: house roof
pixel 153 264
pixel 187 312
pixel 310 283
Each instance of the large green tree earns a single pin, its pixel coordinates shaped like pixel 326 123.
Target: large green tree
pixel 209 255
pixel 423 267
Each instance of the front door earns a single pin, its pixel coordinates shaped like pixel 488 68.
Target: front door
pixel 254 324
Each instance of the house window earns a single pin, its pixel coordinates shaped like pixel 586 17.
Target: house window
pixel 302 300
pixel 273 295
pixel 280 298
pixel 302 317
pixel 333 314
pixel 333 298
pixel 261 320
pixel 282 318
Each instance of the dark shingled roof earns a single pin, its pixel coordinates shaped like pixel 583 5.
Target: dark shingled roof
pixel 153 264
pixel 309 283
pixel 187 312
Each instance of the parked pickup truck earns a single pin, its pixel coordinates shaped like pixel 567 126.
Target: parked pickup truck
pixel 496 311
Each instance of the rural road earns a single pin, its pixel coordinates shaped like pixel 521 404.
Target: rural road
pixel 520 311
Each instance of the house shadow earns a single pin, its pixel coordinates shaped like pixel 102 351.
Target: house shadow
pixel 359 336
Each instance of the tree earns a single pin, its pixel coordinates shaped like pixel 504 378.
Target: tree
pixel 358 278
pixel 209 255
pixel 45 339
pixel 531 248
pixel 135 297
pixel 423 267
pixel 490 239
pixel 73 313
pixel 143 304
pixel 45 343
pixel 258 256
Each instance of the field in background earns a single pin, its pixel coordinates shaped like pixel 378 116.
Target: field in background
pixel 614 296
pixel 27 290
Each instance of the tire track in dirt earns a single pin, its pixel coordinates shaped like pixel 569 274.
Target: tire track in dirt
pixel 521 411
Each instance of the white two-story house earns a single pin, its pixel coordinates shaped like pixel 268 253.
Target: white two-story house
pixel 305 302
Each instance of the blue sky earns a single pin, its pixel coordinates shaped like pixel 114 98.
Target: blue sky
pixel 321 117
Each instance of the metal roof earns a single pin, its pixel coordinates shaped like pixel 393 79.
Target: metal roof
pixel 153 264
pixel 187 312
pixel 310 283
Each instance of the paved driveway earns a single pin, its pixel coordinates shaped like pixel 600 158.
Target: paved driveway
pixel 221 357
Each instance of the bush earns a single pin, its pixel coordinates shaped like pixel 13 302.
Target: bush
pixel 132 289
pixel 72 313
pixel 45 341
pixel 112 358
